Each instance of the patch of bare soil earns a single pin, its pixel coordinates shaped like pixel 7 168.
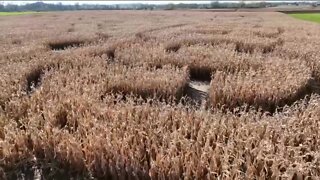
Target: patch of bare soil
pixel 198 91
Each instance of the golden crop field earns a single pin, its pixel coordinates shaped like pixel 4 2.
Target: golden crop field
pixel 159 95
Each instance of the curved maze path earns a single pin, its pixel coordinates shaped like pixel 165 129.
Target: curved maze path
pixel 198 90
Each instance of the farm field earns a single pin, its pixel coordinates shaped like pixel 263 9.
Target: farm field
pixel 16 13
pixel 159 95
pixel 314 17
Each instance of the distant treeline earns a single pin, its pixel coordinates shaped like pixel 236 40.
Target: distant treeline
pixel 40 6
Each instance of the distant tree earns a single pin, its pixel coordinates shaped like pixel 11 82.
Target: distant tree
pixel 11 7
pixel 263 4
pixel 242 4
pixel 41 6
pixel 170 7
pixel 1 7
pixel 76 6
pixel 215 4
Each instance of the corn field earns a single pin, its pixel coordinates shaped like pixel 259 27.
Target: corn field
pixel 105 95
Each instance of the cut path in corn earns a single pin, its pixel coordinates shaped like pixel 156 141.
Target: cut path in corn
pixel 198 91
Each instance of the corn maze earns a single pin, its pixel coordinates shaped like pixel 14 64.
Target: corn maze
pixel 159 95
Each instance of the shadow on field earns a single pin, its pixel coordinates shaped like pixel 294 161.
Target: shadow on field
pixel 196 91
pixel 271 107
pixel 312 87
pixel 34 79
pixel 59 46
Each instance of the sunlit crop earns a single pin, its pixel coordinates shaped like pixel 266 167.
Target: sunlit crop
pixel 159 95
